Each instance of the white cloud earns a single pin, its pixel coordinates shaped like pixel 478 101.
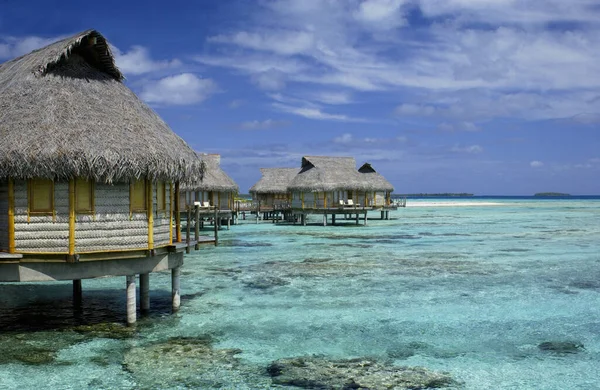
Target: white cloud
pixel 270 80
pixel 330 97
pixel 181 89
pixel 344 139
pixel 460 126
pixel 495 58
pixel 262 125
pixel 315 113
pixel 536 164
pixel 237 103
pixel 138 61
pixel 11 47
pixel 402 139
pixel 471 149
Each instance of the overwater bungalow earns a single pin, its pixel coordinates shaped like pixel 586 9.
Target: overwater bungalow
pixel 328 185
pixel 214 193
pixel 89 174
pixel 381 195
pixel 271 191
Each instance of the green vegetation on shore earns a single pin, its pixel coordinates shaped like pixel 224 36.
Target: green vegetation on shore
pixel 551 194
pixel 441 195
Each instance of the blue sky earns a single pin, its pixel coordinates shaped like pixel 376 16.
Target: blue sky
pixel 482 96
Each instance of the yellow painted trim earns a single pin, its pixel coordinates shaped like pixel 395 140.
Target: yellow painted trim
pixel 72 217
pixel 177 213
pixel 150 213
pixel 170 212
pixel 315 196
pixel 92 252
pixel 325 199
pixel 302 198
pixel 11 216
pixel 219 200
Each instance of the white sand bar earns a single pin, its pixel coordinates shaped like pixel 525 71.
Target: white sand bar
pixel 410 203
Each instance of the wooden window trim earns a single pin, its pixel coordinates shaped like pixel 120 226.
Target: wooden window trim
pixel 132 208
pixel 92 209
pixel 161 207
pixel 30 210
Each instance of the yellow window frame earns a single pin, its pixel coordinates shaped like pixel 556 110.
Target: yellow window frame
pixel 32 184
pixel 161 197
pixel 138 196
pixel 81 187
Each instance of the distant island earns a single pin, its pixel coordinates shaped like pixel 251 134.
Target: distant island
pixel 551 194
pixel 441 195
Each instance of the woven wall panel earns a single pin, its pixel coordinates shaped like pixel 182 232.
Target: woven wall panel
pixel 4 215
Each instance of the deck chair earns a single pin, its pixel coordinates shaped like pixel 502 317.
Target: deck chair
pixel 342 202
pixel 206 204
pixel 349 202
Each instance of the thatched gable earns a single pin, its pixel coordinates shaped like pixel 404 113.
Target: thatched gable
pixel 375 180
pixel 274 180
pixel 320 174
pixel 215 179
pixel 64 113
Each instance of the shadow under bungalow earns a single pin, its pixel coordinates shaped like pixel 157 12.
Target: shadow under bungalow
pixel 89 175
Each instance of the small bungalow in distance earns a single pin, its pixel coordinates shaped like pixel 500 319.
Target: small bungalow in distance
pixel 214 193
pixel 271 191
pixel 89 174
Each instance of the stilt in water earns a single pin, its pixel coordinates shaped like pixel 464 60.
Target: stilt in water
pixel 77 294
pixel 197 226
pixel 228 223
pixel 324 219
pixel 357 219
pixel 382 214
pixel 365 218
pixel 131 304
pixel 175 294
pixel 145 293
pixel 216 230
pixel 333 219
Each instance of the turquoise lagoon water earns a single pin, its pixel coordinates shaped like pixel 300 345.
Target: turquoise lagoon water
pixel 470 290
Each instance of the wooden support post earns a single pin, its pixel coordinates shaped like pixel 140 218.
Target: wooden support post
pixel 131 304
pixel 145 292
pixel 177 214
pixel 382 214
pixel 72 222
pixel 357 219
pixel 170 213
pixel 77 293
pixel 175 293
pixel 366 218
pixel 387 215
pixel 324 219
pixel 333 219
pixel 197 226
pixel 11 216
pixel 150 213
pixel 188 233
pixel 228 222
pixel 217 228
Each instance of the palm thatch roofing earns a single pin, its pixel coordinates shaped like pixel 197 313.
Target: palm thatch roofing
pixel 376 180
pixel 321 174
pixel 274 180
pixel 65 112
pixel 215 179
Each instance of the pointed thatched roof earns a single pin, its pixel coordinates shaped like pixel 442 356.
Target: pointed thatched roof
pixel 375 180
pixel 319 174
pixel 215 179
pixel 64 113
pixel 274 180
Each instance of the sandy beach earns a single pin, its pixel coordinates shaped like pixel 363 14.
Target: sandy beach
pixel 410 203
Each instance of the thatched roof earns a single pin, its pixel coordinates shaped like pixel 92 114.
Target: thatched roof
pixel 274 180
pixel 215 179
pixel 376 180
pixel 319 174
pixel 64 113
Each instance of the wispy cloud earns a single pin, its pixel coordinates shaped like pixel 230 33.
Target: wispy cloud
pixel 536 164
pixel 315 113
pixel 470 149
pixel 11 47
pixel 137 61
pixel 181 89
pixel 263 125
